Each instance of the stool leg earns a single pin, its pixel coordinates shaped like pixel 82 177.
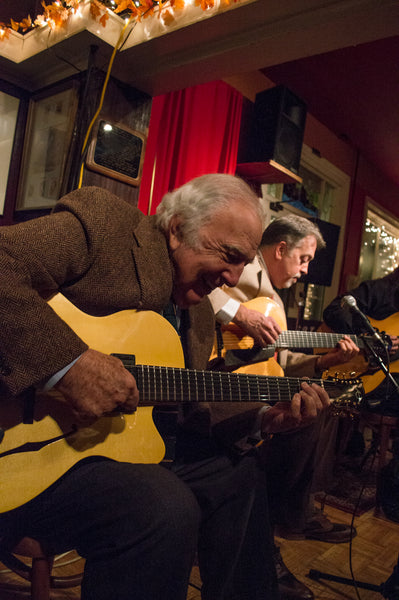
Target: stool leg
pixel 385 432
pixel 384 442
pixel 40 578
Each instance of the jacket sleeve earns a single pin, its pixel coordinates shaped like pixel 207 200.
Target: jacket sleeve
pixel 37 259
pixel 300 365
pixel 218 298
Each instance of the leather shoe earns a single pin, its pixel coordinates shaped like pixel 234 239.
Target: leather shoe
pixel 289 587
pixel 320 528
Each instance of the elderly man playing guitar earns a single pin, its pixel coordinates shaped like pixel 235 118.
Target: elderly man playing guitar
pixel 139 526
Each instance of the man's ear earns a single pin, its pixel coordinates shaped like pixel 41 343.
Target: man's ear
pixel 174 233
pixel 280 250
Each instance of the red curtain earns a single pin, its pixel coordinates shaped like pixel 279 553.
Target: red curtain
pixel 192 132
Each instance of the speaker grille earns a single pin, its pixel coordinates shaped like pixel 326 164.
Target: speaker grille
pixel 274 129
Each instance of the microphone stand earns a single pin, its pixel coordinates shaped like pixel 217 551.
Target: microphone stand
pixel 389 589
pixel 381 364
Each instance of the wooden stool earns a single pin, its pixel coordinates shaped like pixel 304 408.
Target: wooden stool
pixel 382 425
pixel 39 574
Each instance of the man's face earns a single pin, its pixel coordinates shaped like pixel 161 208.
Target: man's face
pixel 290 265
pixel 227 244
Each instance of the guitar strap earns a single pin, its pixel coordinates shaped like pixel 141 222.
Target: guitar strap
pixel 219 339
pixel 28 402
pixel 166 417
pixel 173 314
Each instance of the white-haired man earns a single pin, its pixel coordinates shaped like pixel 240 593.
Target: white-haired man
pixel 138 526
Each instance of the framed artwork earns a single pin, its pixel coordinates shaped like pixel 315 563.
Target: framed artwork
pixel 117 151
pixel 47 140
pixel 9 106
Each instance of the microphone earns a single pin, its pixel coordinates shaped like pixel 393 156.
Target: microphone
pixel 350 302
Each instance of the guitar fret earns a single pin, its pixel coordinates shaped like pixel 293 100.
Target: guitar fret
pixel 248 384
pixel 217 390
pixel 181 383
pixel 236 391
pixel 200 387
pixel 212 388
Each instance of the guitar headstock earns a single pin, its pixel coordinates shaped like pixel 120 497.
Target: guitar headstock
pixel 346 394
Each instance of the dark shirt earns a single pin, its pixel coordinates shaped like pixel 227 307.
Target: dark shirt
pixel 376 298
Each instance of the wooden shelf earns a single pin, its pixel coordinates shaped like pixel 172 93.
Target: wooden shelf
pixel 267 172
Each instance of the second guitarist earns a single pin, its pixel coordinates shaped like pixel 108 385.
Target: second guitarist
pixel 288 245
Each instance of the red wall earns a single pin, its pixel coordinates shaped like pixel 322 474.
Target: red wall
pixel 366 182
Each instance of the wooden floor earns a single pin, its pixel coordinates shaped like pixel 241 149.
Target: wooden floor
pixel 374 554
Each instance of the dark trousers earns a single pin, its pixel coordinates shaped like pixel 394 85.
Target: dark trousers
pixel 139 527
pixel 291 461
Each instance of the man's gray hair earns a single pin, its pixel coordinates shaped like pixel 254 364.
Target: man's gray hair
pixel 291 229
pixel 196 202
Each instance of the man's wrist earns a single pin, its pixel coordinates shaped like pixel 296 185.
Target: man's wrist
pixel 54 379
pixel 228 311
pixel 320 365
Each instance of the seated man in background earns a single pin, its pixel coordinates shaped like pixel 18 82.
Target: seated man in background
pixel 379 300
pixel 288 245
pixel 139 526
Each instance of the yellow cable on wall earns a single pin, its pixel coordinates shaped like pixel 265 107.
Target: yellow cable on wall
pixel 105 84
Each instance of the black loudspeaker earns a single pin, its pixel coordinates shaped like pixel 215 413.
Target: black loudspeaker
pixel 274 129
pixel 321 268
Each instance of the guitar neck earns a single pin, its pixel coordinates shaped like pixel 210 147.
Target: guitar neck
pixel 312 339
pixel 174 385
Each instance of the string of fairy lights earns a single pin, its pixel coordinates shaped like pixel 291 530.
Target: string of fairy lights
pixel 383 242
pixel 379 256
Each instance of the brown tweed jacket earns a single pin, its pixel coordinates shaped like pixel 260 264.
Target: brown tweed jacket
pixel 102 254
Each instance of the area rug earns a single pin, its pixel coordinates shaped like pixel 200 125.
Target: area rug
pixel 353 490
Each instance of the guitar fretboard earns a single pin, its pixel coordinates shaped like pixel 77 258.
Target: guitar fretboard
pixel 167 384
pixel 312 339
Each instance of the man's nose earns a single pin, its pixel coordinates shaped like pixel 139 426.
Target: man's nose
pixel 232 274
pixel 304 268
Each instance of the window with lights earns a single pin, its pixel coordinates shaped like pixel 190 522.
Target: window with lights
pixel 379 254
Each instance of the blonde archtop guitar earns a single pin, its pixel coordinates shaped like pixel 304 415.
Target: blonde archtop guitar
pixel 34 454
pixel 364 366
pixel 236 348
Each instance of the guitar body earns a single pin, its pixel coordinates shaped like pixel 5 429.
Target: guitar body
pixel 360 366
pixel 234 337
pixel 133 438
pixel 390 325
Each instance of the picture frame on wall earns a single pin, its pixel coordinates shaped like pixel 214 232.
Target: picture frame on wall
pixel 46 146
pixel 117 151
pixel 9 106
